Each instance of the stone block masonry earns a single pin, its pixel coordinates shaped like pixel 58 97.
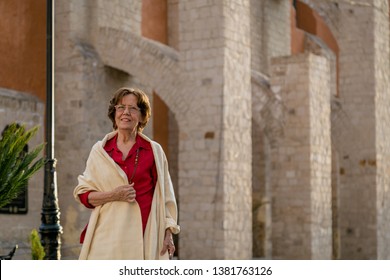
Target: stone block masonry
pixel 301 162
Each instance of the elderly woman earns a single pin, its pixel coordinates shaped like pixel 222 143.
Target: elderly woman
pixel 127 184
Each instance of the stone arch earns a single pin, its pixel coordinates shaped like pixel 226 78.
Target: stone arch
pixel 267 108
pixel 152 63
pixel 267 128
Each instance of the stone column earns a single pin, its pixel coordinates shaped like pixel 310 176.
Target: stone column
pixel 382 116
pixel 301 161
pixel 364 149
pixel 215 131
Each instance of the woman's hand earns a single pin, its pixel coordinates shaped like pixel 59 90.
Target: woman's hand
pixel 168 244
pixel 124 193
pixel 121 193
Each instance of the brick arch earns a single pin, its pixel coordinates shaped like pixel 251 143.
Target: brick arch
pixel 152 63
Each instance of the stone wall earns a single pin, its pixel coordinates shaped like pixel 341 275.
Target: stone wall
pixel 27 110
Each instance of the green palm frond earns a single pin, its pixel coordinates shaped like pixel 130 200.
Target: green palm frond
pixel 16 165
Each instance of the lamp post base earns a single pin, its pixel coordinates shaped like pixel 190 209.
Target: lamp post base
pixel 50 228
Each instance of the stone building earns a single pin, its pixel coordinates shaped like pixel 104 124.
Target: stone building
pixel 273 114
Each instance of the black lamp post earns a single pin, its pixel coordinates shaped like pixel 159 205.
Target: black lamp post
pixel 50 228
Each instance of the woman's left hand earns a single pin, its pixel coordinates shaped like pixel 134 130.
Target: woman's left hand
pixel 168 244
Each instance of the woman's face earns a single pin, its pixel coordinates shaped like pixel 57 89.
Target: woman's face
pixel 127 113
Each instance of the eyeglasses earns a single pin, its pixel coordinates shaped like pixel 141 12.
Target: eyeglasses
pixel 122 108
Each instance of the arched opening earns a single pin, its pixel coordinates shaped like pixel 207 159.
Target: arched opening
pixel 154 25
pixel 165 132
pixel 305 20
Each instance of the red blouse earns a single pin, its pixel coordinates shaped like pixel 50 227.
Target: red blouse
pixel 144 179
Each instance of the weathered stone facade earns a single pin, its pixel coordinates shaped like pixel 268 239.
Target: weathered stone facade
pixel 274 153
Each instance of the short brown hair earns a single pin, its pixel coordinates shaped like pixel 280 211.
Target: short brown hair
pixel 142 103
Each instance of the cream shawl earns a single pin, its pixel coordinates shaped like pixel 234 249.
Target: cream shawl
pixel 115 228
